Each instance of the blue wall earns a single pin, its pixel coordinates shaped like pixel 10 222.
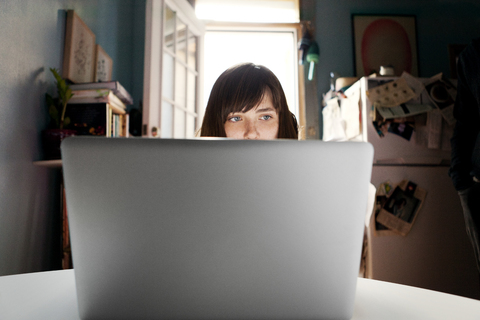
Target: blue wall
pixel 119 27
pixel 439 23
pixel 31 41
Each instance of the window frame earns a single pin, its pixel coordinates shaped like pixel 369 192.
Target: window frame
pixel 154 58
pixel 296 28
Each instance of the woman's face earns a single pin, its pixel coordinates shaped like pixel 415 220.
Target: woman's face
pixel 259 123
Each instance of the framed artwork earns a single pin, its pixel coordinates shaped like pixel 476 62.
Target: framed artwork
pixel 385 40
pixel 453 53
pixel 79 51
pixel 103 65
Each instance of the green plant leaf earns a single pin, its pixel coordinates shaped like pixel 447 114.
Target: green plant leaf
pixel 56 74
pixel 68 95
pixel 64 94
pixel 53 112
pixel 49 100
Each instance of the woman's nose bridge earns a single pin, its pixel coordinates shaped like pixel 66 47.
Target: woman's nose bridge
pixel 250 128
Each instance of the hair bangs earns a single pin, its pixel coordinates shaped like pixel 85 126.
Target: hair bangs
pixel 248 93
pixel 240 89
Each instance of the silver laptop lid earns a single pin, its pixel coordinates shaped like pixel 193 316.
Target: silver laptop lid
pixel 215 228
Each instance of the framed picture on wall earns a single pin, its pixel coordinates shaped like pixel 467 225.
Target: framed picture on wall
pixel 103 65
pixel 79 51
pixel 384 40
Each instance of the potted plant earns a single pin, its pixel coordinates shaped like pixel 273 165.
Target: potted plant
pixel 53 136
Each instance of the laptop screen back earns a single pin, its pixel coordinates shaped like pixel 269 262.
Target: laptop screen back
pixel 215 228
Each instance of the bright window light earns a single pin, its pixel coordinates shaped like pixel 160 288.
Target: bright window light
pixel 275 50
pixel 273 11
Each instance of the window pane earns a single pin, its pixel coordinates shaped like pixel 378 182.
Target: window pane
pixel 167 76
pixel 181 41
pixel 248 10
pixel 169 28
pixel 191 92
pixel 166 120
pixel 256 47
pixel 190 126
pixel 180 83
pixel 179 124
pixel 192 51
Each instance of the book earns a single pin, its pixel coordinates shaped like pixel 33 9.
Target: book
pixel 66 248
pixel 96 119
pixel 115 86
pixel 96 96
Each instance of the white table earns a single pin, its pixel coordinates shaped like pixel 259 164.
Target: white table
pixel 51 295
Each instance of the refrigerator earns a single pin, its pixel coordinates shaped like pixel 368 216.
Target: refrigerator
pixel 436 253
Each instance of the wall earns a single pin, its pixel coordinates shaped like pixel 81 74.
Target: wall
pixel 439 23
pixel 410 260
pixel 32 41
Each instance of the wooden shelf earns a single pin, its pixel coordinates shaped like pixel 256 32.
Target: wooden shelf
pixel 49 163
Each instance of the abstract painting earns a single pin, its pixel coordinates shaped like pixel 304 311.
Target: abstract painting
pixel 384 41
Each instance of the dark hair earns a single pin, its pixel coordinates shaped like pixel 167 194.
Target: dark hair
pixel 240 89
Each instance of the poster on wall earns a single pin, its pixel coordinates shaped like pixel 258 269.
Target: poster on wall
pixel 79 51
pixel 385 40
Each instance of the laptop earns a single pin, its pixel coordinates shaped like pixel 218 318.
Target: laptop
pixel 215 228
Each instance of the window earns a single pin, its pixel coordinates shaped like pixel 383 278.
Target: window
pixel 173 70
pixel 262 32
pixel 273 46
pixel 265 11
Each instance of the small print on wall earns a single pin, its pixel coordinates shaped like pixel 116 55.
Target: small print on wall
pixel 104 65
pixel 79 51
pixel 385 41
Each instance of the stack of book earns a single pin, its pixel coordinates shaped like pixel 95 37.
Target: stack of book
pixel 96 108
pixel 99 108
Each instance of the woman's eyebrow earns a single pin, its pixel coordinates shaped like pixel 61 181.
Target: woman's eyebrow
pixel 265 110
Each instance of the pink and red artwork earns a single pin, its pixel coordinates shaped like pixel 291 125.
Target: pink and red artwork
pixel 385 41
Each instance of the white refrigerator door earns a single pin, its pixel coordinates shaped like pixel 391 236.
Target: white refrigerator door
pixel 394 149
pixel 436 254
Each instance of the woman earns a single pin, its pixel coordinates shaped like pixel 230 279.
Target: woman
pixel 247 102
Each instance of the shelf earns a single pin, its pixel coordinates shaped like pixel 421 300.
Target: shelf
pixel 49 163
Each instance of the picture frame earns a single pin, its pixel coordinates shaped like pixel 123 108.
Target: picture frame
pixel 400 210
pixel 453 53
pixel 79 50
pixel 103 65
pixel 385 40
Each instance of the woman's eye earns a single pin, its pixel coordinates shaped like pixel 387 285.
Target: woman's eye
pixel 266 117
pixel 234 119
